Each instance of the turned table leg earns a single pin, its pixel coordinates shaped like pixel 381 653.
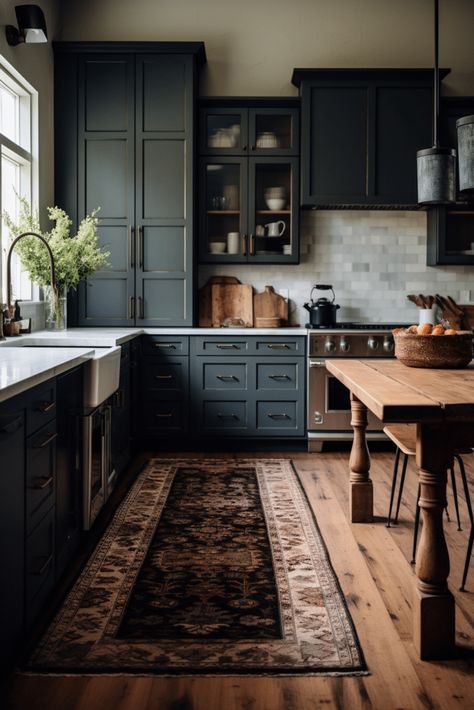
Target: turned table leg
pixel 361 492
pixel 434 608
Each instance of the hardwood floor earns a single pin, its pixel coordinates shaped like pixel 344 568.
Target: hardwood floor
pixel 372 564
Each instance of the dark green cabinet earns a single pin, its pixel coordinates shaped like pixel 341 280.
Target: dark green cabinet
pixel 360 133
pixel 131 141
pixel 249 182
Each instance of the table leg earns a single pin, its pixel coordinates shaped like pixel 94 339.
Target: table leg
pixel 434 608
pixel 361 492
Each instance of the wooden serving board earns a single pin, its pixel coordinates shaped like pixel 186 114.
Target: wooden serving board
pixel 270 304
pixel 205 298
pixel 232 301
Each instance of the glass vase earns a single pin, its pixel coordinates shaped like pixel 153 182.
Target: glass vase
pixel 55 308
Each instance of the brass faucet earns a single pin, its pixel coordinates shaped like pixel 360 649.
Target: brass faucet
pixel 9 259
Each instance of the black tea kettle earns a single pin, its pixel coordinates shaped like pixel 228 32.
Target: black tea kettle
pixel 323 312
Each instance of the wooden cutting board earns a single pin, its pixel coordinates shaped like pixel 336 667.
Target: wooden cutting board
pixel 232 301
pixel 270 305
pixel 205 298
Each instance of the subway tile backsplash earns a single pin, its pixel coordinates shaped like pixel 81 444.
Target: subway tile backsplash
pixel 372 258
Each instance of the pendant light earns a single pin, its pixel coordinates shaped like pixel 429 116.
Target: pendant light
pixel 436 166
pixel 465 130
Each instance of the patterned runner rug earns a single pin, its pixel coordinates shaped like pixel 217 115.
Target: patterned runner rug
pixel 208 566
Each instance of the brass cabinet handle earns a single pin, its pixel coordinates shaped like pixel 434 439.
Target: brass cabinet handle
pixel 227 378
pixel 140 247
pixel 167 415
pixel 227 416
pixel 46 442
pixel 278 416
pixel 252 245
pixel 141 308
pixel 131 310
pixel 45 482
pixel 244 244
pixel 44 566
pixel 131 246
pixel 163 377
pixel 279 377
pixel 165 345
pixel 45 407
pixel 278 346
pixel 227 346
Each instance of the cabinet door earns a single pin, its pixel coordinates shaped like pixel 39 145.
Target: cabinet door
pixel 450 236
pixel 105 179
pixel 223 208
pixel 68 467
pixel 223 131
pixel 274 131
pixel 164 195
pixel 12 519
pixel 273 210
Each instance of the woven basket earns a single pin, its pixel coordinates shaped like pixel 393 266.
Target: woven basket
pixel 444 351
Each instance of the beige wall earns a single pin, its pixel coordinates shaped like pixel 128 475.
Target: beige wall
pixel 253 45
pixel 35 64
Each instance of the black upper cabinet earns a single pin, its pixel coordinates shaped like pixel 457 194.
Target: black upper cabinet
pixel 125 143
pixel 360 133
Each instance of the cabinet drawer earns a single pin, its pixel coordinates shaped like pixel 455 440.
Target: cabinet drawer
pixel 280 346
pixel 164 415
pixel 41 405
pixel 39 570
pixel 40 474
pixel 167 377
pixel 165 345
pixel 278 416
pixel 221 345
pixel 224 376
pixel 278 376
pixel 224 416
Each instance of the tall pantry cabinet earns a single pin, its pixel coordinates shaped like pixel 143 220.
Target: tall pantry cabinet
pixel 124 142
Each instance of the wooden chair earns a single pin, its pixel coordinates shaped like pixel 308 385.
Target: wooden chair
pixel 404 438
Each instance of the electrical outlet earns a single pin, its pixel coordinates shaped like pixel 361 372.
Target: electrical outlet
pixel 285 292
pixel 465 296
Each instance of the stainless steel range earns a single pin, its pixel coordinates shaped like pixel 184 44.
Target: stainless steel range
pixel 329 411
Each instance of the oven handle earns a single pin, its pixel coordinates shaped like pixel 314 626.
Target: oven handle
pixel 317 363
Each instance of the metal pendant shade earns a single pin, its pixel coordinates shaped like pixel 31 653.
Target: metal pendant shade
pixel 465 129
pixel 436 167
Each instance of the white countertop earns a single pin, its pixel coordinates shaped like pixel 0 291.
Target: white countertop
pixel 23 368
pixel 108 337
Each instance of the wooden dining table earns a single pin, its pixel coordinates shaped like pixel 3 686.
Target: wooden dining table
pixel 441 404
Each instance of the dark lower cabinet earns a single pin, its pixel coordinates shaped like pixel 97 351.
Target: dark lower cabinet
pixel 12 527
pixel 68 468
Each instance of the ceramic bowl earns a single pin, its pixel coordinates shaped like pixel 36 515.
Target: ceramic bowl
pixel 275 203
pixel 436 351
pixel 217 247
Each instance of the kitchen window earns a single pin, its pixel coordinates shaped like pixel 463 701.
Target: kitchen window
pixel 19 166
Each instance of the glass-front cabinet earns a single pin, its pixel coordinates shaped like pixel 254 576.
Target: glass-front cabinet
pixel 451 235
pixel 249 185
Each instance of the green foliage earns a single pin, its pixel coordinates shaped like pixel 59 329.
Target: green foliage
pixel 75 257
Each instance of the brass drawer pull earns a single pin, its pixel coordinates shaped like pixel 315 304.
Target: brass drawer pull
pixel 227 416
pixel 131 308
pixel 45 482
pixel 49 440
pixel 278 416
pixel 279 377
pixel 164 377
pixel 44 567
pixel 278 346
pixel 45 407
pixel 168 346
pixel 227 346
pixel 227 378
pixel 167 415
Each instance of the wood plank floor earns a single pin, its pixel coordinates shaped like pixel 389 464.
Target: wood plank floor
pixel 372 564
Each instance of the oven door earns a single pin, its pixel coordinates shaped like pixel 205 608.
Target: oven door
pixel 329 405
pixel 94 471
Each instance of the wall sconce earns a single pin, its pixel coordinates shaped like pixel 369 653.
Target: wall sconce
pixel 31 26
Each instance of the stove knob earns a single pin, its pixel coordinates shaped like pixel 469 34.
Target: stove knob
pixel 330 345
pixel 372 343
pixel 388 344
pixel 345 345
